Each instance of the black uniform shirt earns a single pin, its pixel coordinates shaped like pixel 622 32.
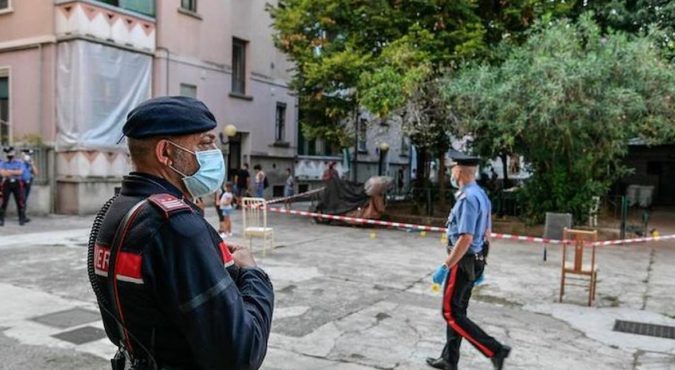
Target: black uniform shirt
pixel 181 297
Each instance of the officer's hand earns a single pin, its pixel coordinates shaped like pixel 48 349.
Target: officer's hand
pixel 440 275
pixel 243 257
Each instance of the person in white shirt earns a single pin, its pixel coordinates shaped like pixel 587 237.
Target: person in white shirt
pixel 226 209
pixel 289 188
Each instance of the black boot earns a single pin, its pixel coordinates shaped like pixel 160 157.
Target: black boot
pixel 440 363
pixel 2 222
pixel 499 357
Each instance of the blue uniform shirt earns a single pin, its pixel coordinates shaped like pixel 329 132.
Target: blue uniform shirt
pixel 470 215
pixel 14 164
pixel 27 174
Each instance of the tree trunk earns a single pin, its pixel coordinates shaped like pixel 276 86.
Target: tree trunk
pixel 505 170
pixel 421 167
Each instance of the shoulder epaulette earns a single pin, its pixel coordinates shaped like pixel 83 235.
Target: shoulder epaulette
pixel 169 204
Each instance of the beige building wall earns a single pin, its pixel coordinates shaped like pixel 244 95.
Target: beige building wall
pixel 195 48
pixel 27 54
pixel 27 57
pixel 31 105
pixel 188 48
pixel 27 20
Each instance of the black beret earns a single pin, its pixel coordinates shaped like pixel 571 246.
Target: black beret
pixel 168 116
pixel 9 151
pixel 462 159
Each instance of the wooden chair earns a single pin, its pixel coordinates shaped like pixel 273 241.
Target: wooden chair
pixel 579 241
pixel 255 222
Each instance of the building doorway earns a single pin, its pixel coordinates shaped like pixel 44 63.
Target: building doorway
pixel 233 156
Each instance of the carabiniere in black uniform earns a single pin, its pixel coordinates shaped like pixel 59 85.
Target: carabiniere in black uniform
pixel 169 292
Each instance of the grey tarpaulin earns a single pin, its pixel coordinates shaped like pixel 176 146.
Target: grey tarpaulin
pixel 340 197
pixel 96 87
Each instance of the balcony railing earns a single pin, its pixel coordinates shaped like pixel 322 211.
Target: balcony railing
pixel 145 7
pixel 128 23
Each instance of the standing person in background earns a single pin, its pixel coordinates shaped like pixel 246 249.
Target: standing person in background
pixel 242 180
pixel 12 171
pixel 289 188
pixel 219 211
pixel 225 203
pixel 330 173
pixel 30 170
pixel 260 180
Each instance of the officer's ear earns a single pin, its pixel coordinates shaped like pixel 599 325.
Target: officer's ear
pixel 164 152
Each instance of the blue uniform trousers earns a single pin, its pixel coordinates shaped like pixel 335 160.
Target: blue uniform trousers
pixel 16 188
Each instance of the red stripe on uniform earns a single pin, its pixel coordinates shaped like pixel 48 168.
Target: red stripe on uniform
pixel 228 260
pixel 447 313
pixel 129 265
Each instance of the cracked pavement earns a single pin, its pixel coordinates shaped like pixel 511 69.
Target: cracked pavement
pixel 346 300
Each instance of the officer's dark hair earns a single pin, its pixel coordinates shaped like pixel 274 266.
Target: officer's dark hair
pixel 140 149
pixel 257 167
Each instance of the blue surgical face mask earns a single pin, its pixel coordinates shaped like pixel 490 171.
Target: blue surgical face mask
pixel 210 175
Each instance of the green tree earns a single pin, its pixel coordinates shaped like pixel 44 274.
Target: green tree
pixel 568 100
pixel 638 16
pixel 358 54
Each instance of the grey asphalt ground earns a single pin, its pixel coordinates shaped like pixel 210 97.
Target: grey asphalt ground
pixel 357 298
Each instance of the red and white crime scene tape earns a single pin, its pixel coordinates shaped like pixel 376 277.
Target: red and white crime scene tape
pixel 635 240
pixel 531 239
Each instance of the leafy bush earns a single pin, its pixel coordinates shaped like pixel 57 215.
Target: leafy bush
pixel 569 100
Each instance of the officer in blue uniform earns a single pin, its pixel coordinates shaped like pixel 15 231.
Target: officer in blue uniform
pixel 469 225
pixel 11 171
pixel 172 294
pixel 30 170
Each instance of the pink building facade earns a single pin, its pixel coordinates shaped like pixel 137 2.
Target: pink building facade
pixel 71 70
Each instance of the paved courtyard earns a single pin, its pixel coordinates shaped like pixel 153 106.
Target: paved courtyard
pixel 356 298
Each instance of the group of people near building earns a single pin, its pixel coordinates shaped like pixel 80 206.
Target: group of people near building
pixel 230 195
pixel 16 179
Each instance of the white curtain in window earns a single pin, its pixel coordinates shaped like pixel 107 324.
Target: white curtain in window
pixel 96 86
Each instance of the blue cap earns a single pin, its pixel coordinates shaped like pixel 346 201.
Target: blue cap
pixel 168 116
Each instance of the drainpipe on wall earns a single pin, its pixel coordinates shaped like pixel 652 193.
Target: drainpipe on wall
pixel 168 65
pixel 41 91
pixel 50 170
pixel 168 61
pixel 51 159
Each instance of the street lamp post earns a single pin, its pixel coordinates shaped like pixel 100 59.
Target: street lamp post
pixel 228 132
pixel 384 148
